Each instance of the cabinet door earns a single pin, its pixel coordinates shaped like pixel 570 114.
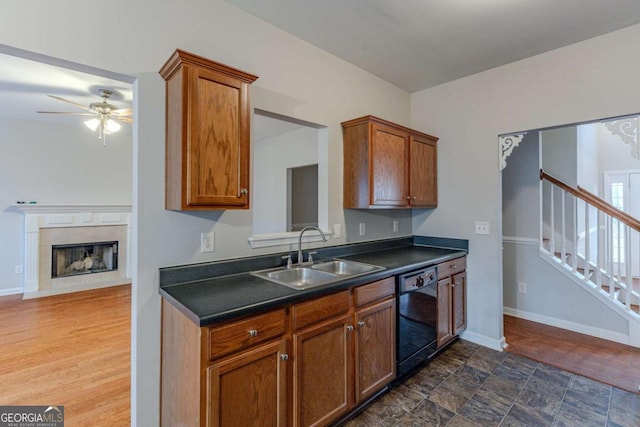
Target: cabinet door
pixel 389 161
pixel 459 293
pixel 423 182
pixel 322 366
pixel 217 151
pixel 444 330
pixel 249 389
pixel 375 347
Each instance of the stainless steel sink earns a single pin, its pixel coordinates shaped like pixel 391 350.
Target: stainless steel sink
pixel 300 277
pixel 309 276
pixel 345 268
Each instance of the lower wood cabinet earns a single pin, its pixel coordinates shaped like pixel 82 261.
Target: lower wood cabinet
pixel 249 389
pixel 375 347
pixel 321 378
pixel 452 300
pixel 307 364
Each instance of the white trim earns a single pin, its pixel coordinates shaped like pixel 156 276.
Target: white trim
pixel 589 286
pixel 74 288
pixel 521 240
pixel 44 209
pixel 10 291
pixel 483 340
pixel 568 325
pixel 290 238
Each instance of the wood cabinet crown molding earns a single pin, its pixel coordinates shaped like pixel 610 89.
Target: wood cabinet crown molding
pixel 374 119
pixel 180 57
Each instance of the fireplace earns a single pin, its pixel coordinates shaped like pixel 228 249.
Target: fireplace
pixel 83 258
pixel 65 245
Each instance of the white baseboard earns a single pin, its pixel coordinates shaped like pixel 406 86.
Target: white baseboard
pixel 568 325
pixel 11 291
pixel 70 289
pixel 483 340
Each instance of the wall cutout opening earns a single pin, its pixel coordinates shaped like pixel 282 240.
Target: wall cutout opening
pixel 290 177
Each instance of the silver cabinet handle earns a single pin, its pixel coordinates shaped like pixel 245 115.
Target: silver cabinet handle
pixel 284 356
pixel 253 333
pixel 361 324
pixel 349 327
pixel 454 266
pixel 244 191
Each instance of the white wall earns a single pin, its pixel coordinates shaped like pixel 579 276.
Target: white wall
pixel 581 82
pixel 54 164
pixel 296 80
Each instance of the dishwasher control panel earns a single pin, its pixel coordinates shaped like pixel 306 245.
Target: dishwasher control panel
pixel 416 279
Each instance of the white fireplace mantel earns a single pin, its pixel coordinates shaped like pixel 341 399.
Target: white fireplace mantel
pixel 42 216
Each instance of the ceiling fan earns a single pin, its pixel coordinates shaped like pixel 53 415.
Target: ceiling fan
pixel 105 116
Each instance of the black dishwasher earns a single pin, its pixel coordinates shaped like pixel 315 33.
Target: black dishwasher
pixel 417 311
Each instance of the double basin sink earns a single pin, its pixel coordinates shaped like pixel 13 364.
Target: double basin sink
pixel 312 275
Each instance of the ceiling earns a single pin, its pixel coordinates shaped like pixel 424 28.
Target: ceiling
pixel 25 84
pixel 417 44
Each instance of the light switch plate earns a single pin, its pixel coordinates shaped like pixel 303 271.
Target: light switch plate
pixel 363 229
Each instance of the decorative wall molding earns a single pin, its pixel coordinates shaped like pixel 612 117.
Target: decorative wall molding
pixel 507 144
pixel 627 129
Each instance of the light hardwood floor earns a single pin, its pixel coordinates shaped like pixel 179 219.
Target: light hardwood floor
pixel 71 350
pixel 601 360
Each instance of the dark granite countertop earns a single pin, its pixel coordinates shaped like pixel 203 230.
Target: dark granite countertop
pixel 223 296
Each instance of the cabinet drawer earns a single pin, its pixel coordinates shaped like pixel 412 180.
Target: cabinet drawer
pixel 239 335
pixel 309 312
pixel 454 266
pixel 374 291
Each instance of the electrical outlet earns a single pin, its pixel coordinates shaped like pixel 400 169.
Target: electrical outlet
pixel 337 231
pixel 363 229
pixel 522 287
pixel 395 225
pixel 18 269
pixel 482 227
pixel 206 242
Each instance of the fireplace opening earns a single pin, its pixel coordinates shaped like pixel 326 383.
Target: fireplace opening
pixel 83 258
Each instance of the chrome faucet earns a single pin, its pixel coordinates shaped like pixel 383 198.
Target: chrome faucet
pixel 310 227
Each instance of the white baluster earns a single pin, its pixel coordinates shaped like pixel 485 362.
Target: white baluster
pixel 599 249
pixel 610 256
pixel 627 261
pixel 563 251
pixel 552 238
pixel 574 258
pixel 587 247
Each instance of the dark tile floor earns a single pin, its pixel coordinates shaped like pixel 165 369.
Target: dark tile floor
pixel 469 385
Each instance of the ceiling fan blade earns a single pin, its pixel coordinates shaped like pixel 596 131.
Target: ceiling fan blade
pixel 70 102
pixel 123 119
pixel 123 112
pixel 66 112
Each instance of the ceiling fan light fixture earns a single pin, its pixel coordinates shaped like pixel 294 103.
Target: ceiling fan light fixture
pixel 92 124
pixel 111 126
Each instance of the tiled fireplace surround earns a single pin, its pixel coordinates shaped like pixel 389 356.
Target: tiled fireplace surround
pixel 48 225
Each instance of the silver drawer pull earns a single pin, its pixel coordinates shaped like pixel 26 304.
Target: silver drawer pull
pixel 349 327
pixel 454 266
pixel 284 356
pixel 253 333
pixel 361 324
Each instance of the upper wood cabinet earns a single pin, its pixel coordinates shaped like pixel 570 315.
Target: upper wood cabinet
pixel 387 165
pixel 207 134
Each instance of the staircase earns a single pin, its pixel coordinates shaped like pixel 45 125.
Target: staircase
pixel 595 244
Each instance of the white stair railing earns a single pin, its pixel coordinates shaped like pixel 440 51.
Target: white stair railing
pixel 604 255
